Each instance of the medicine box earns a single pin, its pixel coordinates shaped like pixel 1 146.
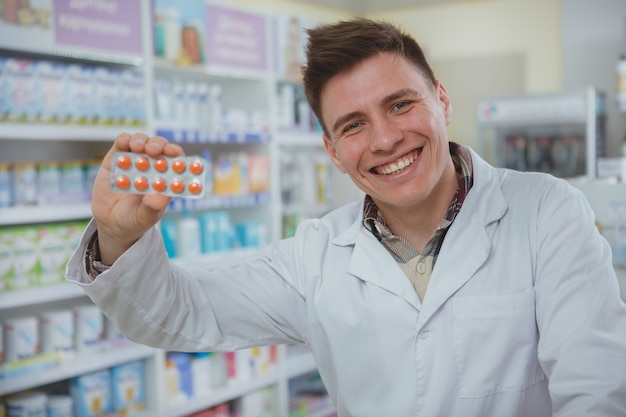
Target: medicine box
pixel 80 93
pixel 56 331
pixel 182 364
pixel 133 97
pixel 53 253
pixel 88 325
pixel 51 79
pixel 25 257
pixel 92 394
pixel 128 388
pixel 20 337
pixel 108 93
pixel 7 259
pixel 4 96
pixel 20 89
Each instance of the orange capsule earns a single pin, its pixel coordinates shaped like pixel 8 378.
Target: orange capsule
pixel 123 161
pixel 159 184
pixel 195 187
pixel 196 167
pixel 160 164
pixel 177 186
pixel 179 166
pixel 141 183
pixel 122 182
pixel 142 163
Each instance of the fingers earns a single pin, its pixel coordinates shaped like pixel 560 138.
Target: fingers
pixel 142 143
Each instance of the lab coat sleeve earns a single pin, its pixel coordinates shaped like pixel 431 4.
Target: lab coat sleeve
pixel 580 316
pixel 158 303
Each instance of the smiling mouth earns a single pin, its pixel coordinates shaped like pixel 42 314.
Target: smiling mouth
pixel 398 165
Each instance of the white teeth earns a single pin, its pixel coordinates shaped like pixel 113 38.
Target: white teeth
pixel 396 166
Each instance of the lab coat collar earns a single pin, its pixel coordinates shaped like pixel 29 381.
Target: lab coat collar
pixel 484 205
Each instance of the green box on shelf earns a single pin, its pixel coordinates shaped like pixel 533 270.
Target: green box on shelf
pixel 6 259
pixel 26 257
pixel 53 252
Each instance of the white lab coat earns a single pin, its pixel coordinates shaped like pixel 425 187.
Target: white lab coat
pixel 522 316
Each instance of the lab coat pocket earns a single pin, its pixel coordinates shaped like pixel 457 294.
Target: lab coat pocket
pixel 495 342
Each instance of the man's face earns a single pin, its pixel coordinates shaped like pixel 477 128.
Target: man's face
pixel 387 126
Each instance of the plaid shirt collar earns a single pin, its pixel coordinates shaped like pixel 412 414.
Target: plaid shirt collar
pixel 399 247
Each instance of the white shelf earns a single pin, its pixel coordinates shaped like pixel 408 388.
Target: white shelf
pixel 214 202
pixel 326 412
pixel 185 134
pixel 39 295
pixel 44 213
pixel 107 355
pixel 53 132
pixel 300 138
pixel 300 364
pixel 164 67
pixel 222 395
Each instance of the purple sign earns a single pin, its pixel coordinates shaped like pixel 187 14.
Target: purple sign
pixel 235 39
pixel 113 25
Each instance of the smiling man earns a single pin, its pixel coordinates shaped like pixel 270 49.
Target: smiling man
pixel 452 288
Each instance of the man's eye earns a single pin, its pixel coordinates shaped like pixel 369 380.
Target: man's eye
pixel 352 126
pixel 400 105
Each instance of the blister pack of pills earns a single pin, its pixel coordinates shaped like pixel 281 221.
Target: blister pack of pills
pixel 181 176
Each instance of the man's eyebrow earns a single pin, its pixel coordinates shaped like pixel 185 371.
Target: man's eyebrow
pixel 404 92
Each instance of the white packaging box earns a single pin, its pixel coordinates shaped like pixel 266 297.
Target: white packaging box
pixel 51 84
pixel 133 99
pixel 4 96
pixel 56 331
pixel 53 253
pixel 128 388
pixel 25 257
pixel 20 338
pixel 92 394
pixel 88 326
pixel 20 89
pixel 80 94
pixel 108 94
pixel 27 403
pixel 7 259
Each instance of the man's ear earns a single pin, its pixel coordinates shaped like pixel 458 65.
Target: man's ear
pixel 445 101
pixel 332 153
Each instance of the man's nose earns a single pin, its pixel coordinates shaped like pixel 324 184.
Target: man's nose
pixel 384 135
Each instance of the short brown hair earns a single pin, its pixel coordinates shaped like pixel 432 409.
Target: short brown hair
pixel 333 48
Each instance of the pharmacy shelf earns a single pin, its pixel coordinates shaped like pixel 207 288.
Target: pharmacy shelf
pixel 315 210
pixel 326 412
pixel 108 354
pixel 299 138
pixel 192 135
pixel 222 395
pixel 300 364
pixel 219 202
pixel 40 295
pixel 11 32
pixel 166 68
pixel 44 214
pixel 54 132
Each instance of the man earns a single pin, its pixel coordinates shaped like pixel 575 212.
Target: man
pixel 452 289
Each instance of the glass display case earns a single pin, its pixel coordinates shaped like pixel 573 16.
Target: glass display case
pixel 563 133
